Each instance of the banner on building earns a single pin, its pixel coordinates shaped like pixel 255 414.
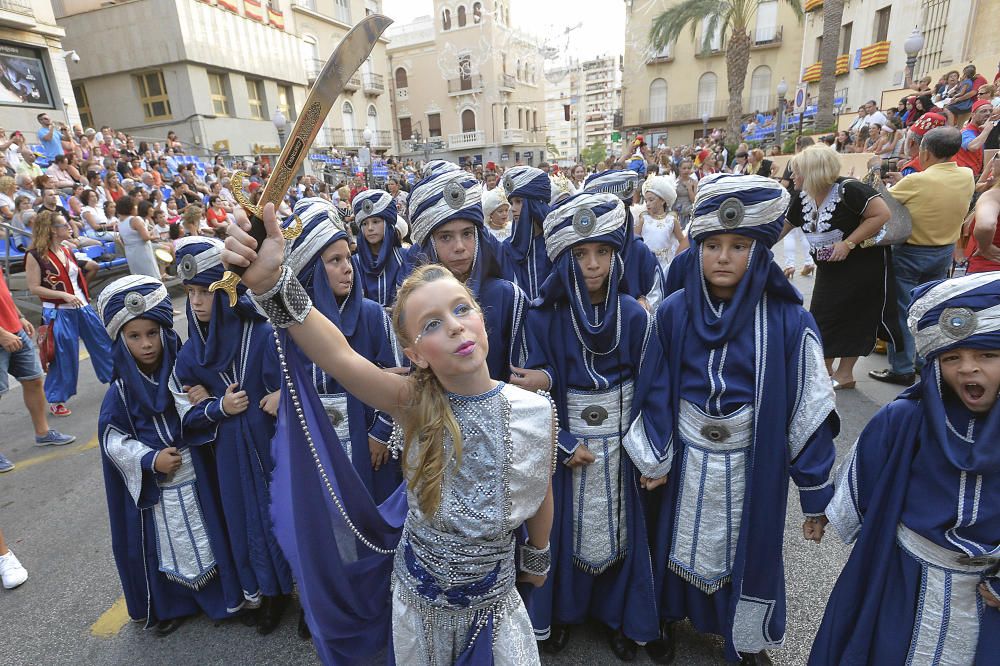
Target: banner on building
pixel 23 79
pixel 253 10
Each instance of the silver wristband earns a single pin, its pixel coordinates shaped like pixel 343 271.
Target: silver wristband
pixel 286 303
pixel 535 561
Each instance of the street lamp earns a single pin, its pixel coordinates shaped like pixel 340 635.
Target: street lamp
pixel 280 124
pixel 704 125
pixel 782 91
pixel 912 46
pixel 366 154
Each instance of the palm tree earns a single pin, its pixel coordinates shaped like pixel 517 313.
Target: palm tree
pixel 724 17
pixel 833 14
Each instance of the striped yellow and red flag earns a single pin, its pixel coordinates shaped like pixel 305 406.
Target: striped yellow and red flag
pixel 813 72
pixel 813 4
pixel 252 10
pixel 276 18
pixel 875 54
pixel 228 4
pixel 843 66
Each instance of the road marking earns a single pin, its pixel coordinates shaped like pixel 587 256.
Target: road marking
pixel 84 354
pixel 111 620
pixel 61 452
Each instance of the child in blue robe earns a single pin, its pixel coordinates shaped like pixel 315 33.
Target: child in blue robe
pixel 529 191
pixel 167 530
pixel 919 495
pixel 321 260
pixel 447 227
pixel 380 256
pixel 643 280
pixel 595 340
pixel 230 354
pixel 752 406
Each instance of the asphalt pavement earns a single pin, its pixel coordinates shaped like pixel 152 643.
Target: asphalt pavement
pixel 70 611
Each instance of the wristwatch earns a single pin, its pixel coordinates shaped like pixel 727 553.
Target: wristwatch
pixel 850 244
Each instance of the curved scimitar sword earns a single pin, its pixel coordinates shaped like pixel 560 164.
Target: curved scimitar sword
pixel 355 48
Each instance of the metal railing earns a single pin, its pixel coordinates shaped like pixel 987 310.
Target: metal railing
pixel 767 36
pixel 465 84
pixel 374 83
pixel 718 108
pixel 508 81
pixel 512 136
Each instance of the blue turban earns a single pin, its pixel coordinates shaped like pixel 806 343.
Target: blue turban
pixel 585 218
pixel 321 228
pixel 751 206
pixel 534 186
pixel 620 182
pixel 435 167
pixel 443 197
pixel 140 297
pixel 380 204
pixel 199 262
pixel 950 314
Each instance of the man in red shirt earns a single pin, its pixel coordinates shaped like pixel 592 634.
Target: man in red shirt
pixel 982 121
pixel 19 357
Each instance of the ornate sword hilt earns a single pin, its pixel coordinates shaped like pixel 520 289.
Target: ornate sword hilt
pixel 231 278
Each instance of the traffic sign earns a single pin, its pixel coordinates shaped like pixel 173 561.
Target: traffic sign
pixel 800 97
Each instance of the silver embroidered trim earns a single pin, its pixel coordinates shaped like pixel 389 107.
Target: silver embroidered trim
pixel 815 399
pixel 954 325
pixel 750 625
pixel 136 304
pixel 335 405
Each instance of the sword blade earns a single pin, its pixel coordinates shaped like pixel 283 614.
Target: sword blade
pixel 349 55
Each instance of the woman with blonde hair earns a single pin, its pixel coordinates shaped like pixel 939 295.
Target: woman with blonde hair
pixel 851 300
pixel 477 456
pixel 58 281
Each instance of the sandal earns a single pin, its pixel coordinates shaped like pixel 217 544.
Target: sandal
pixel 837 386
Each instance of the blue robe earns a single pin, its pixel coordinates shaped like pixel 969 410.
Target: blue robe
pixel 371 336
pixel 242 442
pixel 380 276
pixel 882 609
pixel 163 585
pixel 762 392
pixel 530 270
pixel 601 563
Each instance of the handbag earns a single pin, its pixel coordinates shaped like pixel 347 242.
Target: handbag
pixel 46 341
pixel 900 225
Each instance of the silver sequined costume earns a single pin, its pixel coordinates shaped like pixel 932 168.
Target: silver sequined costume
pixel 455 569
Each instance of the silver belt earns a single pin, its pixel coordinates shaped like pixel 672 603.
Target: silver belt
pixel 716 433
pixel 924 549
pixel 599 413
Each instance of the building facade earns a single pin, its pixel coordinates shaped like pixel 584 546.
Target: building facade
pixel 872 61
pixel 34 72
pixel 674 93
pixel 563 127
pixel 215 71
pixel 470 83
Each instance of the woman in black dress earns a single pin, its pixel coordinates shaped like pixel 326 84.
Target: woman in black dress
pixel 850 300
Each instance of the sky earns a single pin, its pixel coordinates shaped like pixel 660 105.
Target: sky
pixel 602 30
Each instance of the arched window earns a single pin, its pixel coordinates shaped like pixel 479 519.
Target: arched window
pixel 461 16
pixel 477 12
pixel 310 54
pixel 446 19
pixel 520 71
pixel 347 115
pixel 468 120
pixel 534 120
pixel 658 101
pixel 707 85
pixel 506 118
pixel 520 119
pixel 372 118
pixel 760 89
pixel 401 78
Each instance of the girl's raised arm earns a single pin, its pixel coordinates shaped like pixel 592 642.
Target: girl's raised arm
pixel 318 338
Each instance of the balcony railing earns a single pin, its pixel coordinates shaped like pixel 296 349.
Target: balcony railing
pixel 374 84
pixel 465 85
pixel 475 139
pixel 354 82
pixel 511 136
pixel 336 137
pixel 507 82
pixel 691 113
pixel 767 36
pixel 313 68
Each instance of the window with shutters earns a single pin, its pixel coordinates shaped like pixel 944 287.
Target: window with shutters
pixel 255 97
pixel 217 90
pixel 433 124
pixel 153 95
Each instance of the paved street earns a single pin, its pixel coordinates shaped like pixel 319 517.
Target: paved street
pixel 53 513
